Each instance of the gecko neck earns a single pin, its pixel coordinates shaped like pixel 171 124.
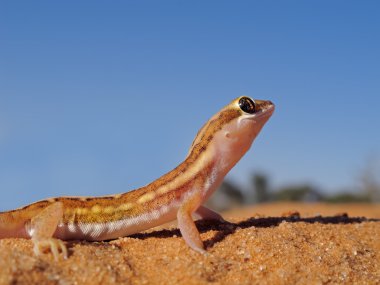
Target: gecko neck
pixel 214 163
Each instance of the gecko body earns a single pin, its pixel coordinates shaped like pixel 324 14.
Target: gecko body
pixel 218 146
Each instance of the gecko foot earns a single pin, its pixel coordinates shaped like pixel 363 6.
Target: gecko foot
pixel 54 245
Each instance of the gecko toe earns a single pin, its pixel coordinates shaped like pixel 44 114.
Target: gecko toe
pixel 55 246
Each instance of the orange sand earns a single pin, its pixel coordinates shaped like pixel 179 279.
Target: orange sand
pixel 259 250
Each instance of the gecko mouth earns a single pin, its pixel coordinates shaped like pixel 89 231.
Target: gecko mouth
pixel 262 114
pixel 266 110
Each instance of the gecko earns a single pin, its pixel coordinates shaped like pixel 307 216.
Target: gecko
pixel 178 194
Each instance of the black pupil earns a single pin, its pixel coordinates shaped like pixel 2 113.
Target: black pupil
pixel 247 105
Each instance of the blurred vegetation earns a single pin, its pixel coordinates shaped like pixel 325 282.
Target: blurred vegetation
pixel 229 195
pixel 348 198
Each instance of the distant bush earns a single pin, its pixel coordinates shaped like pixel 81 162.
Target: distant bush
pixel 348 198
pixel 230 195
pixel 303 193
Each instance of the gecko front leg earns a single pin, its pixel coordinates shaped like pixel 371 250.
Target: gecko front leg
pixel 42 228
pixel 186 224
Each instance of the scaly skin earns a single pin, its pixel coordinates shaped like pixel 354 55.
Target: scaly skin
pixel 218 146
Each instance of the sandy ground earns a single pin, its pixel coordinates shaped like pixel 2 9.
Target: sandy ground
pixel 308 210
pixel 276 248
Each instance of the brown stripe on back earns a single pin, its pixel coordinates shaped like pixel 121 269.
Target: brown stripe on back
pixel 207 133
pixel 178 192
pixel 131 198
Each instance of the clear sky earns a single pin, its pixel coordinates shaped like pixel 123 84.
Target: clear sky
pixel 100 97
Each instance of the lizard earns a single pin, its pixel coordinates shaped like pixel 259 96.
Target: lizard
pixel 178 194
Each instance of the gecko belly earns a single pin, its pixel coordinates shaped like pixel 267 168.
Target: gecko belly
pixel 115 229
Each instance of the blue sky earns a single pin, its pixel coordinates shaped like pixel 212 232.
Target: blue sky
pixel 102 97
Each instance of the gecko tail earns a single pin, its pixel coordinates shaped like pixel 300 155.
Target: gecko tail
pixel 9 228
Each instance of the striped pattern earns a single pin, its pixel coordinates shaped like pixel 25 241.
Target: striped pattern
pixel 166 190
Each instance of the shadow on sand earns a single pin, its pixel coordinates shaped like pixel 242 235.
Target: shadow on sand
pixel 226 228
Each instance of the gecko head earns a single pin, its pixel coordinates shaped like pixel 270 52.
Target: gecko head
pixel 231 131
pixel 238 133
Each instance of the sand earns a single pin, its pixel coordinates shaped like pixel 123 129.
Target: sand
pixel 288 248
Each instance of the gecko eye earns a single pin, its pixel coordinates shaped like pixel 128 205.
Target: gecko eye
pixel 247 105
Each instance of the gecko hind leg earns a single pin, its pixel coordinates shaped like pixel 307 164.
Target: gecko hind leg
pixel 43 227
pixel 208 214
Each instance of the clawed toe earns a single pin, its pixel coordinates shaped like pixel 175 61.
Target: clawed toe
pixel 56 246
